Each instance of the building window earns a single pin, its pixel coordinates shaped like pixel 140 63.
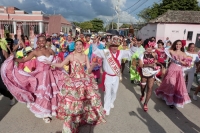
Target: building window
pixel 189 35
pixel 8 28
pixel 36 29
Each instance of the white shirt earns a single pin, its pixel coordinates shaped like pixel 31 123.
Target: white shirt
pixel 53 48
pixel 100 53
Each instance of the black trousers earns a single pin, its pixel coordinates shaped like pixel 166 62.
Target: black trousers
pixel 4 91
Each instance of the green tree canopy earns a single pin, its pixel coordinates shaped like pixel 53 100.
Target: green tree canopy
pixel 76 24
pixel 86 25
pixel 158 9
pixel 114 25
pixel 125 26
pixel 97 25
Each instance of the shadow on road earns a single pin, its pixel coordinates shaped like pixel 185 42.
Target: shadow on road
pixel 152 125
pixel 174 115
pixel 84 129
pixel 5 107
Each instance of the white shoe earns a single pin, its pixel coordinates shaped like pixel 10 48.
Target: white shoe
pixel 195 97
pixel 112 106
pixel 107 113
pixel 12 102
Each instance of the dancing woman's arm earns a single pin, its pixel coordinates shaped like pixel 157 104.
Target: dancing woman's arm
pixel 29 57
pixel 60 65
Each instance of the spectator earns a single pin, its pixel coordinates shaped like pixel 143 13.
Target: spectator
pixel 10 43
pixel 27 41
pixel 50 45
pixel 4 46
pixel 15 39
pixel 4 91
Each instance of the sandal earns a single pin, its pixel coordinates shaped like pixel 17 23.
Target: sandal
pixel 47 119
pixel 145 108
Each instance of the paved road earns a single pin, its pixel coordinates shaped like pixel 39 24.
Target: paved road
pixel 126 117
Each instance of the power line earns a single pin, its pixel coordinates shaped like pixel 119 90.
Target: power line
pixel 132 5
pixel 138 7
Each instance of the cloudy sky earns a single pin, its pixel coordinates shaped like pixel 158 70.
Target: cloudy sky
pixel 82 10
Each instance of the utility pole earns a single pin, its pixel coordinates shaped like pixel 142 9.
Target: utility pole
pixel 117 12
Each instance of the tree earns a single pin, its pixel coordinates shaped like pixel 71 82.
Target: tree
pixel 158 9
pixel 76 24
pixel 125 26
pixel 86 25
pixel 97 25
pixel 113 25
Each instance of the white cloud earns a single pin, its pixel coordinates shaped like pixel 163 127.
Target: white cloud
pixel 21 1
pixel 74 10
pixel 46 3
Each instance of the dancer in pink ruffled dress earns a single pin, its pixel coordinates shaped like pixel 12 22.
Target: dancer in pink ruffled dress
pixel 39 89
pixel 173 89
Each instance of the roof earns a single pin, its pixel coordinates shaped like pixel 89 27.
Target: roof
pixel 171 16
pixel 64 21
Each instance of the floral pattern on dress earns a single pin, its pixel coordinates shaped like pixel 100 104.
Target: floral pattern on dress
pixel 81 101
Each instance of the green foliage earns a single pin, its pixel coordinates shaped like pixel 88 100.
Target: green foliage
pixel 113 24
pixel 97 25
pixel 158 9
pixel 125 26
pixel 86 25
pixel 76 24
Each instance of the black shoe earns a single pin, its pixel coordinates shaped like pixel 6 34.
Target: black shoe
pixel 132 81
pixel 171 106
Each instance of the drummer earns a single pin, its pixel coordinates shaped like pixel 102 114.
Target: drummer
pixel 148 61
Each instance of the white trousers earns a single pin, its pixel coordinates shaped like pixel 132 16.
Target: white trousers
pixel 190 72
pixel 111 87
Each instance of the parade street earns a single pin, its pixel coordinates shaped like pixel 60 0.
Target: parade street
pixel 127 116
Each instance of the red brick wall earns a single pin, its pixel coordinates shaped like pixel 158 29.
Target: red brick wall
pixel 54 24
pixel 10 10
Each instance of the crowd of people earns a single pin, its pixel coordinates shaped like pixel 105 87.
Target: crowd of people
pixel 59 75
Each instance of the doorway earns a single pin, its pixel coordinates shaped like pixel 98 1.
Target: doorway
pixel 198 41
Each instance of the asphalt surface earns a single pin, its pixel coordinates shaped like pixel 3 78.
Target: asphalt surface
pixel 127 116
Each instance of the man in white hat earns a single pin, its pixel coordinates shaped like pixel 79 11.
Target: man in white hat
pixel 111 64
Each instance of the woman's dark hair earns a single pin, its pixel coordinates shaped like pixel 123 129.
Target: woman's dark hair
pixel 23 38
pixel 173 47
pixel 169 42
pixel 146 42
pixel 159 41
pixel 48 39
pixel 190 44
pixel 103 38
pixel 26 37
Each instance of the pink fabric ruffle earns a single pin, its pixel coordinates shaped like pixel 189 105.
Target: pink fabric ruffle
pixel 39 88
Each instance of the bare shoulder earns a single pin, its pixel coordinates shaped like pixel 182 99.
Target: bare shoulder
pixel 51 51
